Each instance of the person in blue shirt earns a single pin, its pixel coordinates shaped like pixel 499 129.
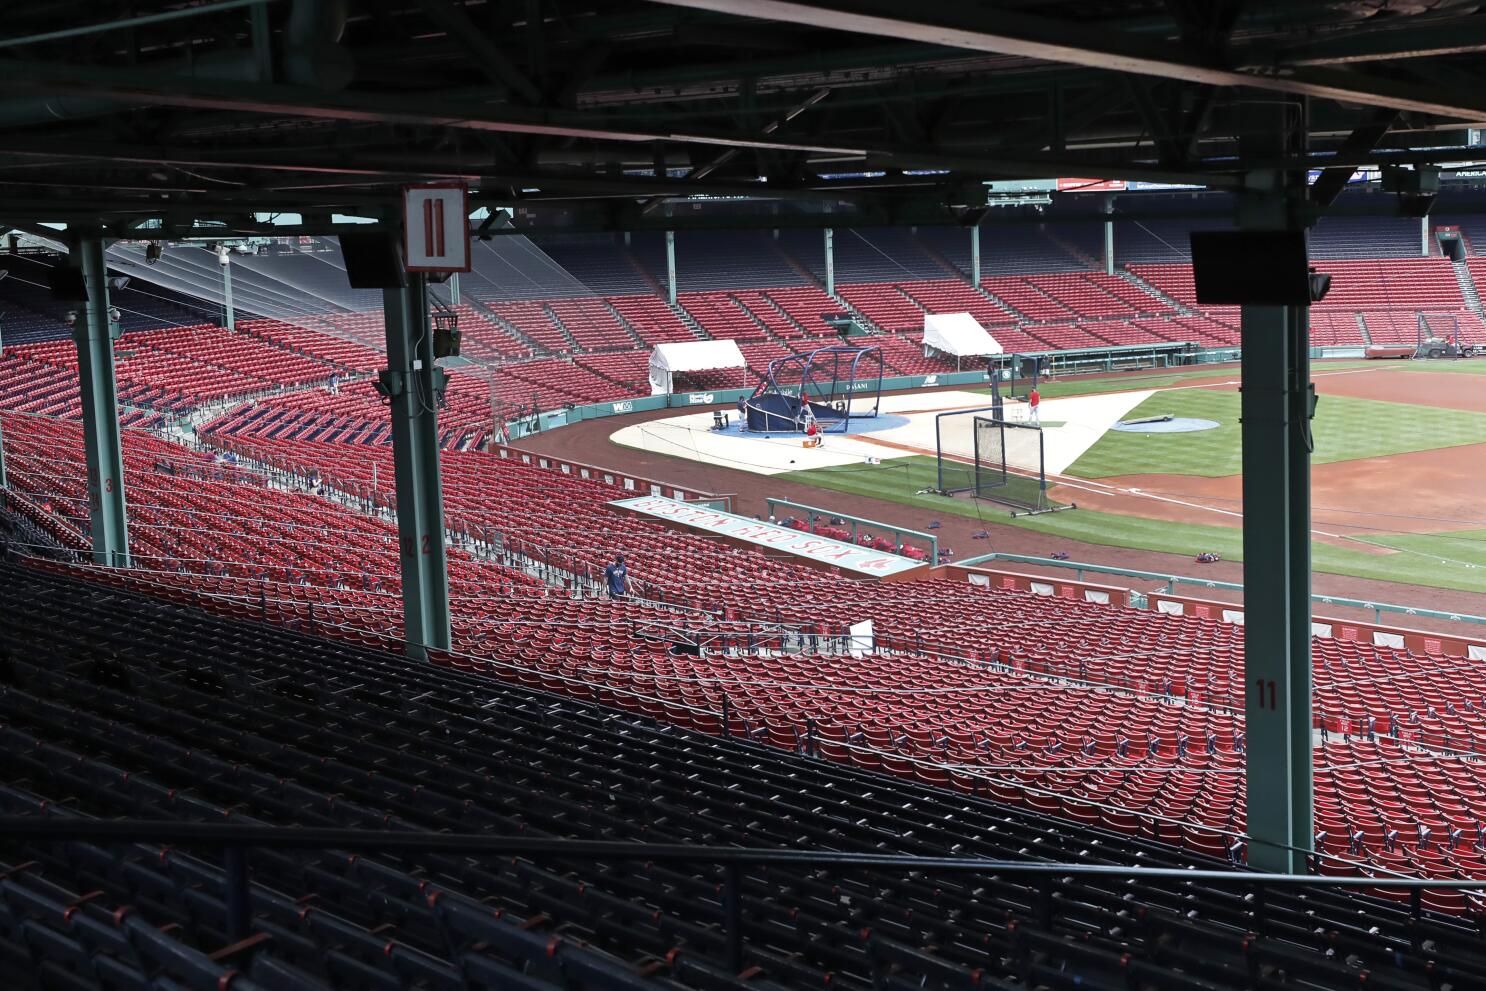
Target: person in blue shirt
pixel 617 575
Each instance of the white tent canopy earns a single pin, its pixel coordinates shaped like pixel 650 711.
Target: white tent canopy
pixel 958 334
pixel 690 356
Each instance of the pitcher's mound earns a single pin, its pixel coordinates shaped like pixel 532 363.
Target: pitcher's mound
pixel 1167 424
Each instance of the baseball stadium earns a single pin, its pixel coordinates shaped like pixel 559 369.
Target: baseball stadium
pixel 572 495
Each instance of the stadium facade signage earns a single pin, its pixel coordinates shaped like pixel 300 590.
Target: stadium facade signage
pixel 850 557
pixel 1090 185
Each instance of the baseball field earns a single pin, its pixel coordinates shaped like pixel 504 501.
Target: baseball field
pixel 1399 453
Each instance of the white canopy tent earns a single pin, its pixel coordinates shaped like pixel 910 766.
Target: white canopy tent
pixel 958 335
pixel 669 359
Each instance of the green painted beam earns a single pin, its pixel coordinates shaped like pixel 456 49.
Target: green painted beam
pixel 975 255
pixel 671 267
pixel 414 381
pixel 1109 235
pixel 107 512
pixel 1275 407
pixel 226 263
pixel 830 249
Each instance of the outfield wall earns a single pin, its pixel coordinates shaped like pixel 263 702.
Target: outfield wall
pixel 685 400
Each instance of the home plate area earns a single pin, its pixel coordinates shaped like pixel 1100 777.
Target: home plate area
pixel 904 428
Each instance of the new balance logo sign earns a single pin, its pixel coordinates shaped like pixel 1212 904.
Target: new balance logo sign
pixel 436 224
pixel 931 380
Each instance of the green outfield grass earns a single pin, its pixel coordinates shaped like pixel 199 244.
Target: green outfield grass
pixel 903 479
pixel 1200 376
pixel 1056 389
pixel 1346 429
pixel 1456 561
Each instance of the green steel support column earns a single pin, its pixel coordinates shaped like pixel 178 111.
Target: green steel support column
pixel 1277 619
pixel 975 255
pixel 1109 247
pixel 224 257
pixel 1424 237
pixel 671 267
pixel 107 512
pixel 413 382
pixel 1275 411
pixel 830 248
pixel 454 289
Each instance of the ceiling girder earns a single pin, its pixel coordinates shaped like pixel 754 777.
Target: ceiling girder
pixel 1458 36
pixel 455 23
pixel 628 215
pixel 135 87
pixel 1364 138
pixel 1003 32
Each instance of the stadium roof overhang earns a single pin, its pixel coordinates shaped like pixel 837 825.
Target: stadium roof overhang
pixel 603 114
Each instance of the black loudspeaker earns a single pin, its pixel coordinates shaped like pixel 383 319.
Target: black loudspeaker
pixel 1261 268
pixel 373 260
pixel 445 342
pixel 67 284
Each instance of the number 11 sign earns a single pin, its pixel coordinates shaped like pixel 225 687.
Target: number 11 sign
pixel 436 226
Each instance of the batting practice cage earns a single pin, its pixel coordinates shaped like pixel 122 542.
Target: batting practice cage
pixel 835 384
pixel 981 453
